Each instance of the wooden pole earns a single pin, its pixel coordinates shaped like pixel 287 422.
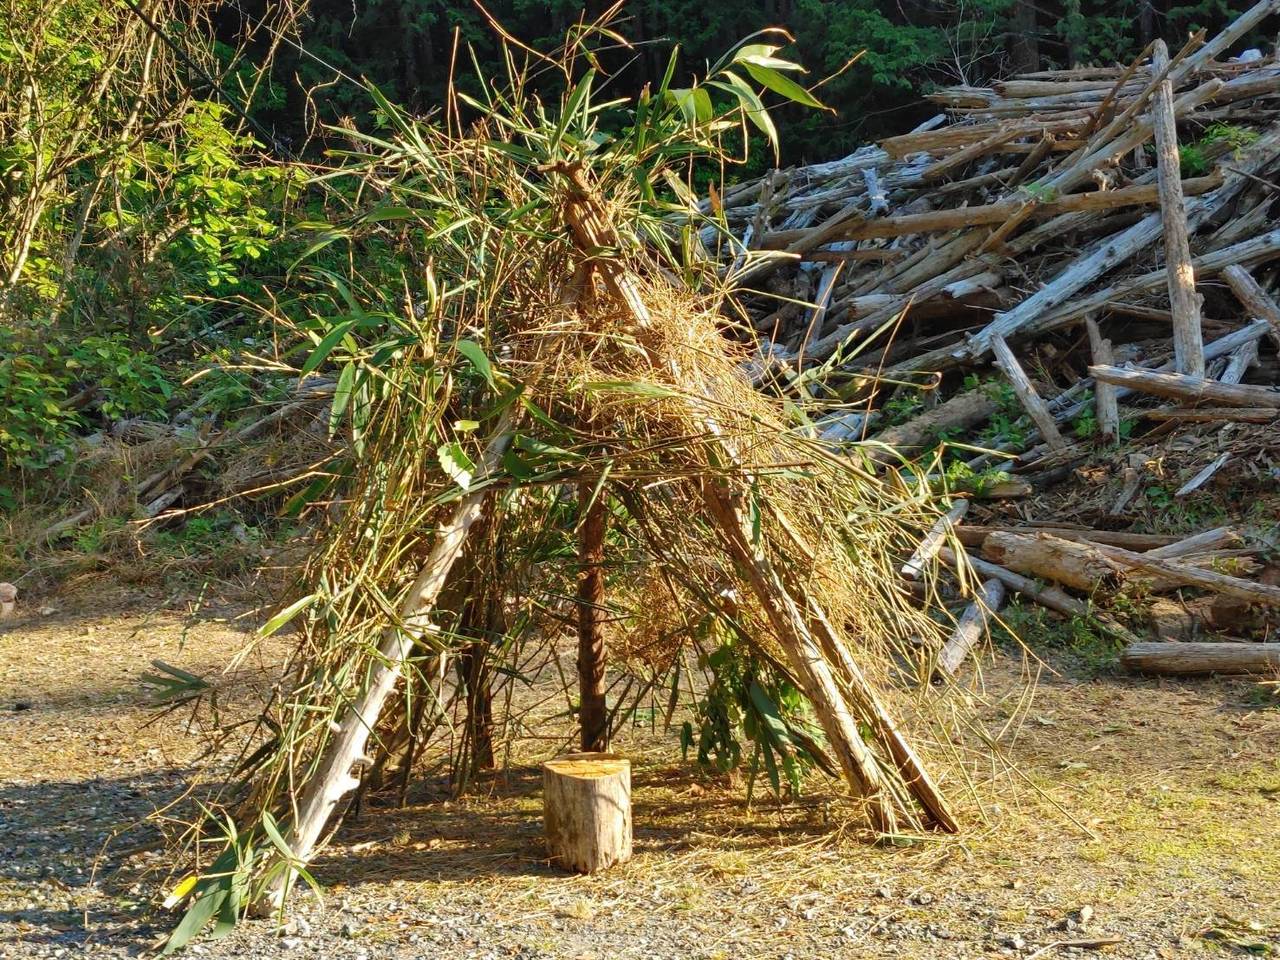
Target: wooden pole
pixel 971 627
pixel 928 548
pixel 593 714
pixel 1049 597
pixel 1188 388
pixel 331 779
pixel 1184 302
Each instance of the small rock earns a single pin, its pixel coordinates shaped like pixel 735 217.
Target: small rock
pixel 924 898
pixel 1014 942
pixel 1086 914
pixel 291 943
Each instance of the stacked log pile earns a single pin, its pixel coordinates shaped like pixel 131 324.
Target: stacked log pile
pixel 1087 254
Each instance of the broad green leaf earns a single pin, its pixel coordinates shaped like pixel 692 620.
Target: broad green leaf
pixel 785 86
pixel 287 614
pixel 579 94
pixel 762 55
pixel 326 345
pixel 197 917
pixel 341 396
pixel 475 353
pixel 456 464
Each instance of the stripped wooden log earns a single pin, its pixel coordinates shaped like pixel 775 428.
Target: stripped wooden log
pixel 1047 596
pixel 1188 389
pixel 971 627
pixel 1026 393
pixel 1172 659
pixel 1187 575
pixel 1184 302
pixel 332 779
pixel 1250 293
pixel 928 549
pixel 1104 393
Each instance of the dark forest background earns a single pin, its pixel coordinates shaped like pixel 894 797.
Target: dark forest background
pixel 907 48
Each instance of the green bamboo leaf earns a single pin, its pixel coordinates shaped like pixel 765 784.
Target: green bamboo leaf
pixel 762 55
pixel 341 396
pixel 580 93
pixel 287 614
pixel 197 917
pixel 456 464
pixel 785 86
pixel 475 354
pixel 326 345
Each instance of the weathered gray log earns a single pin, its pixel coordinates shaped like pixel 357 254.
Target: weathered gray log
pixel 1191 576
pixel 586 809
pixel 974 535
pixel 971 626
pixel 956 218
pixel 961 412
pixel 1214 414
pixel 1203 476
pixel 1250 293
pixel 1199 659
pixel 1082 566
pixel 928 548
pixel 1202 542
pixel 1026 393
pixel 1104 393
pixel 1188 389
pixel 1184 302
pixel 1239 362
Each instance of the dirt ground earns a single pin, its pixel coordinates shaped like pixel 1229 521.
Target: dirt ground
pixel 1143 821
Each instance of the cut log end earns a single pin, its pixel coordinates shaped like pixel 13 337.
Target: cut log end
pixel 587 810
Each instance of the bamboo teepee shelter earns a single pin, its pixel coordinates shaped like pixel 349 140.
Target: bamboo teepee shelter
pixel 561 338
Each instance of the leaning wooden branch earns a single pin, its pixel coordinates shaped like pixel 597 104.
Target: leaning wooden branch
pixel 914 567
pixel 1250 293
pixel 332 779
pixel 971 626
pixel 1026 393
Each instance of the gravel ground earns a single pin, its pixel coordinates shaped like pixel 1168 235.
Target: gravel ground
pixel 1174 790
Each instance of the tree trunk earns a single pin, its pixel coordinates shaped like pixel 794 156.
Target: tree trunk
pixel 479 726
pixel 593 715
pixel 1024 41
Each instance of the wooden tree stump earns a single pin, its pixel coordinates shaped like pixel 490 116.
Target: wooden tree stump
pixel 586 804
